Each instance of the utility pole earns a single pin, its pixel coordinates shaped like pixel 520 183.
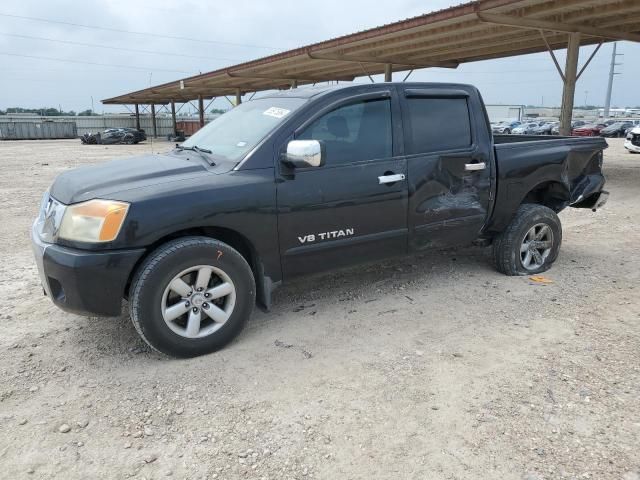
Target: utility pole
pixel 612 72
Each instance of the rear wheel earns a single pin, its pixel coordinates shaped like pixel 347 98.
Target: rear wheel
pixel 192 296
pixel 531 242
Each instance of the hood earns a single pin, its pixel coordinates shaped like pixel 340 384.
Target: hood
pixel 635 131
pixel 107 179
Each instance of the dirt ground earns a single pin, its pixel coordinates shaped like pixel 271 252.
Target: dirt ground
pixel 432 367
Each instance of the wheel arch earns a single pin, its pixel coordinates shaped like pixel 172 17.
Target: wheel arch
pixel 550 193
pixel 232 238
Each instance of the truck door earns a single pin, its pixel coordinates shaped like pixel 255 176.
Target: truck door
pixel 449 164
pixel 354 207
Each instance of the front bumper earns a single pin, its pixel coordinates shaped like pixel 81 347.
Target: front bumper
pixel 81 281
pixel 631 147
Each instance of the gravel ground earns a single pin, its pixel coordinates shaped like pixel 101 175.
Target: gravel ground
pixel 432 367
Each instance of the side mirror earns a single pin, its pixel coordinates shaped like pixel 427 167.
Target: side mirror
pixel 304 153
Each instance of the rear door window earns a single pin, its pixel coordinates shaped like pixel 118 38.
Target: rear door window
pixel 437 124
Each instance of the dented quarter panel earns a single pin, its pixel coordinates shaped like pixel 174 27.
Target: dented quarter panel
pixel 525 164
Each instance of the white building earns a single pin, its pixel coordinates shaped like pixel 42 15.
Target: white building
pixel 505 113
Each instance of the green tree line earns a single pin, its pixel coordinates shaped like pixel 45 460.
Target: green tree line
pixel 47 112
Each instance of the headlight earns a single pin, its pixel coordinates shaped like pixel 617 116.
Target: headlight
pixel 93 221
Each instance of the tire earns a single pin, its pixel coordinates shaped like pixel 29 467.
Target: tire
pixel 152 297
pixel 508 256
pixel 507 132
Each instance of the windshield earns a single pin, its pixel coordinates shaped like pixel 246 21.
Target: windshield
pixel 234 134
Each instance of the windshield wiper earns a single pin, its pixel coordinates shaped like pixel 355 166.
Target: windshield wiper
pixel 199 150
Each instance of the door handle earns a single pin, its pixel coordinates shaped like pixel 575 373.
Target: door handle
pixel 391 178
pixel 474 167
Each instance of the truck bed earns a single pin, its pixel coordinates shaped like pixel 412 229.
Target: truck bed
pixel 509 139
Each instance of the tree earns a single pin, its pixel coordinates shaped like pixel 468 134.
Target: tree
pixel 44 111
pixel 86 113
pixel 217 110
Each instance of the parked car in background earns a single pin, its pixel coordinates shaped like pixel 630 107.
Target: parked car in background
pixel 591 130
pixel 504 128
pixel 617 129
pixel 575 124
pixel 544 129
pixel 635 123
pixel 632 143
pixel 526 128
pixel 112 136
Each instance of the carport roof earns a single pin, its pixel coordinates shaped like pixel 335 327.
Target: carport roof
pixel 478 30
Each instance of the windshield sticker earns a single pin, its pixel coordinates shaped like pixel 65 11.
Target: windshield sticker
pixel 276 112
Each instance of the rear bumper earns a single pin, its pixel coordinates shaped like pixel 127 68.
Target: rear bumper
pixel 84 282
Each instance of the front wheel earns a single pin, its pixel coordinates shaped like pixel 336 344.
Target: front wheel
pixel 192 296
pixel 531 242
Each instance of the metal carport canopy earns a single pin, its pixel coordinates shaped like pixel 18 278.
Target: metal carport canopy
pixel 478 30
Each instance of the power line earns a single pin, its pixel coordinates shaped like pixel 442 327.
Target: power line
pixel 145 69
pixel 95 45
pixel 149 34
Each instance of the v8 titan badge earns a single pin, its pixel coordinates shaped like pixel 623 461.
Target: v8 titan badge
pixel 347 232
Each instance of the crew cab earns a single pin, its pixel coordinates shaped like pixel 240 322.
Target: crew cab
pixel 299 182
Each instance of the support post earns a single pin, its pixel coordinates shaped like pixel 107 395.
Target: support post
pixel 388 70
pixel 238 97
pixel 201 110
pixel 153 120
pixel 294 84
pixel 137 117
pixel 173 118
pixel 569 90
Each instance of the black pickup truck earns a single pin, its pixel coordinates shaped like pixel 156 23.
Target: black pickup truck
pixel 295 183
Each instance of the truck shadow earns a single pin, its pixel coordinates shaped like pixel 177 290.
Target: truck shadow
pixel 300 298
pixel 117 337
pixel 424 267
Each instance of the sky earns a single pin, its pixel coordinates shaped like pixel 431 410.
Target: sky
pixel 59 62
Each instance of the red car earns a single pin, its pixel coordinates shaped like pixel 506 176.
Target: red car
pixel 592 130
